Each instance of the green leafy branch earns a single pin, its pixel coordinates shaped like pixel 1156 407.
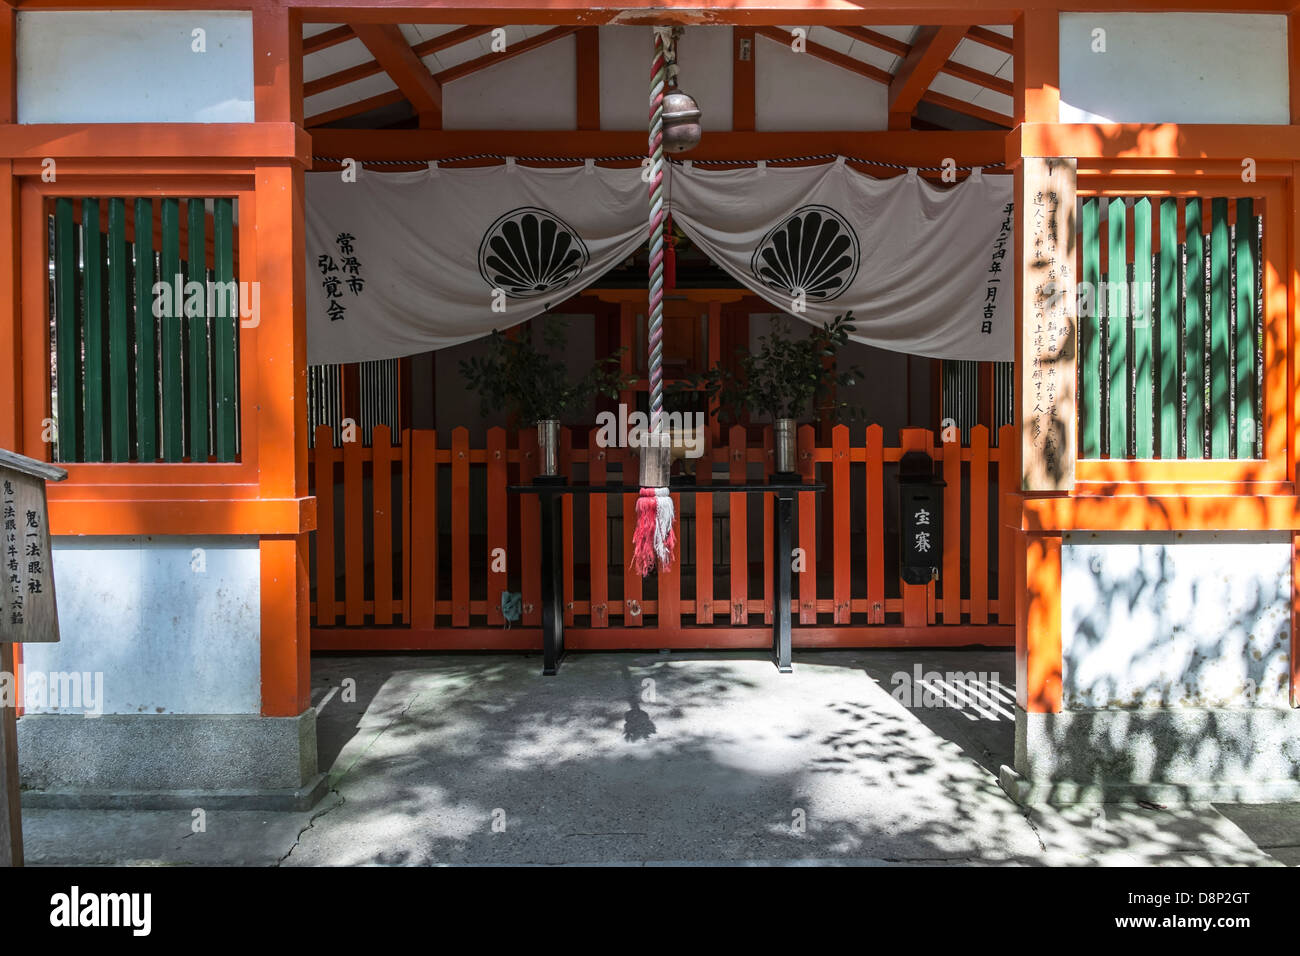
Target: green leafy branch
pixel 534 383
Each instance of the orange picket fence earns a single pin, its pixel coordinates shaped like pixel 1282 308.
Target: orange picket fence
pixel 429 549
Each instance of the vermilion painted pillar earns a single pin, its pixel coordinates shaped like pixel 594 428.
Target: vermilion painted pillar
pixel 1038 557
pixel 282 372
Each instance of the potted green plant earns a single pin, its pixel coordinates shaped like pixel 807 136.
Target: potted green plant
pixel 786 378
pixel 535 383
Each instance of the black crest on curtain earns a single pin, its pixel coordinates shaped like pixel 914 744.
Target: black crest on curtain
pixel 530 252
pixel 813 251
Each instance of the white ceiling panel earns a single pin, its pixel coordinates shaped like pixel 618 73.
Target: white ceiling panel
pixel 453 56
pixel 341 56
pixel 831 38
pixel 952 86
pixel 351 93
pixel 981 57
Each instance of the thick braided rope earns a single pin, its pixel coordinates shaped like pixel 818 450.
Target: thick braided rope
pixel 658 80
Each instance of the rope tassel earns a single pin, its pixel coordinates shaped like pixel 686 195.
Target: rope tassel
pixel 653 539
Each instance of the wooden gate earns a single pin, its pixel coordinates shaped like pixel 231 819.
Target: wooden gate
pixel 425 541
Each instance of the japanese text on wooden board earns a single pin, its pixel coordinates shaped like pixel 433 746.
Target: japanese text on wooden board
pixel 1049 326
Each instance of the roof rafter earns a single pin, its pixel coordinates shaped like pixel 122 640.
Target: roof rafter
pixel 326 39
pixel 369 68
pixel 980 78
pixel 514 49
pixel 932 49
pixel 842 60
pixel 968 109
pixel 442 77
pixel 390 49
pixel 1003 44
pixel 879 40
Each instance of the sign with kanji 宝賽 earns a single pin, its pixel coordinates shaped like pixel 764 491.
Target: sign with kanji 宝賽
pixel 920 531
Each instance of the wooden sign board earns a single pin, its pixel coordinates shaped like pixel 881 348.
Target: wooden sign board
pixel 27 609
pixel 1049 332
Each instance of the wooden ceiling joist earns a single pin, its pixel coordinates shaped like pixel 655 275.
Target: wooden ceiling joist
pixel 922 61
pixel 327 39
pixel 842 60
pixel 879 40
pixel 369 68
pixel 979 77
pixel 355 109
pixel 1003 44
pixel 960 70
pixel 932 49
pixel 969 109
pixel 441 78
pixel 587 68
pixel 513 50
pixel 390 49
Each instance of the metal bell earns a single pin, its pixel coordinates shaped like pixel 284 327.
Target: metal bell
pixel 682 129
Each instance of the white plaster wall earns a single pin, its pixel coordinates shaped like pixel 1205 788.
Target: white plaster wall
pixel 792 91
pixel 172 623
pixel 536 91
pixel 1174 68
pixel 796 91
pixel 134 66
pixel 704 56
pixel 1175 620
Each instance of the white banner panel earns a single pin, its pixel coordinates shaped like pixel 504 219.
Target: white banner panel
pixel 401 263
pixel 925 270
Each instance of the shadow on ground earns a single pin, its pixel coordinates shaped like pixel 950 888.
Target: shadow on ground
pixel 690 756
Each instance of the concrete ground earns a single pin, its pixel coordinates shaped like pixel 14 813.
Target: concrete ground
pixel 645 758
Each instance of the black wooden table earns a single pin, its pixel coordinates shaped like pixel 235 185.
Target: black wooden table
pixel 550 491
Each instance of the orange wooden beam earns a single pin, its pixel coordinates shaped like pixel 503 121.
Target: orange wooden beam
pixel 979 77
pixel 905 147
pixel 279 344
pixel 743 109
pixel 1180 512
pixel 828 55
pixel 441 78
pixel 586 53
pixel 879 40
pixel 969 109
pixel 407 70
pixel 139 141
pixel 701 638
pixel 326 39
pixel 996 41
pixel 363 70
pixel 277 64
pixel 513 50
pixel 1293 62
pixel 1171 141
pixel 960 70
pixel 1037 67
pixel 933 47
pixel 1038 624
pixel 9 65
pixel 355 109
pixel 173 515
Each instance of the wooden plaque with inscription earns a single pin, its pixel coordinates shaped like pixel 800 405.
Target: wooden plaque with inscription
pixel 1049 333
pixel 27 610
